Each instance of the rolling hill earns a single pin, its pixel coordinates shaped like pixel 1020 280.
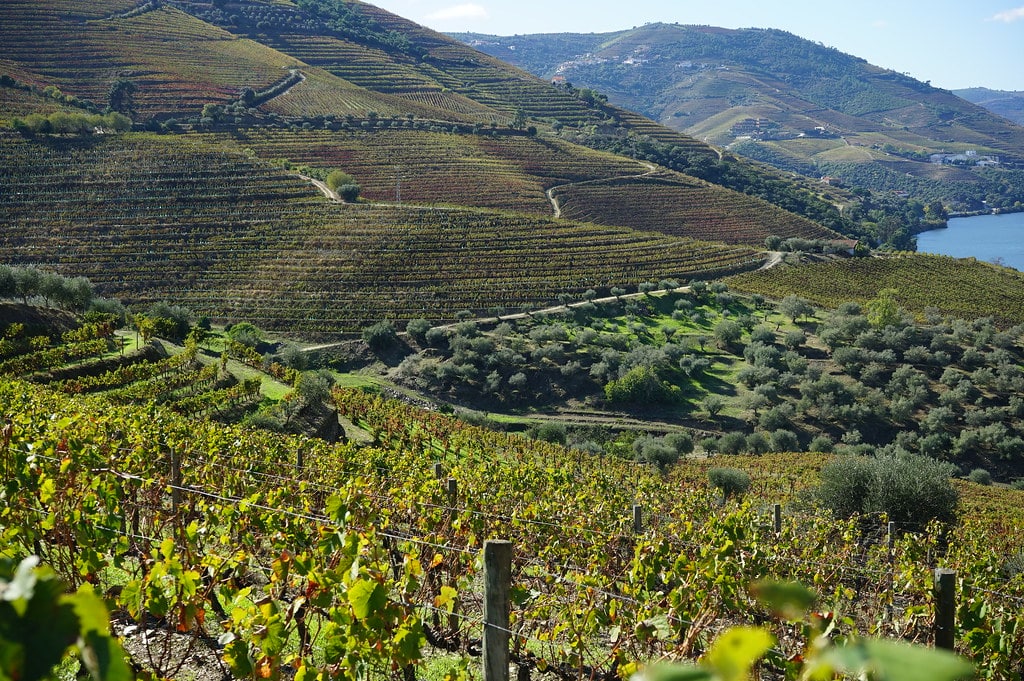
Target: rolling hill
pixel 798 105
pixel 461 159
pixel 1009 105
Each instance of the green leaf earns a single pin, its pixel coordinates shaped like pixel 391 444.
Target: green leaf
pixel 366 597
pixel 104 658
pixel 409 640
pixel 786 599
pixel 894 661
pixel 679 673
pixel 92 613
pixel 736 650
pixel 236 654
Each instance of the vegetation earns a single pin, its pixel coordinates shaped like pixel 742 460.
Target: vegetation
pixel 963 288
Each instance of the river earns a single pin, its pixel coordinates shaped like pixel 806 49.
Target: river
pixel 990 238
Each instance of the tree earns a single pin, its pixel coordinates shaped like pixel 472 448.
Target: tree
pixel 26 282
pixel 909 488
pixel 713 405
pixel 883 310
pixel 727 332
pixel 417 329
pixel 246 334
pixel 121 96
pixel 795 307
pixel 730 481
pixel 337 178
pixel 380 336
pixel 349 192
pixel 641 385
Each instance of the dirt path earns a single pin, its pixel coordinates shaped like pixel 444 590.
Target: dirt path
pixel 324 189
pixel 774 258
pixel 553 200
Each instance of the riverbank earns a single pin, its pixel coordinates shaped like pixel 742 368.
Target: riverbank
pixel 991 237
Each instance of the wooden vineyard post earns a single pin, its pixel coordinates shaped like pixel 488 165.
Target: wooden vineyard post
pixel 175 480
pixel 453 491
pixel 438 470
pixel 638 519
pixel 945 608
pixel 497 585
pixel 777 518
pixel 891 537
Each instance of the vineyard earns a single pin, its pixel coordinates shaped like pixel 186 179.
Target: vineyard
pixel 151 218
pixel 679 205
pixel 254 553
pixel 507 172
pixel 963 288
pixel 186 63
pixel 86 360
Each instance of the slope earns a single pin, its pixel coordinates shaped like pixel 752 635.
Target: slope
pixel 1009 105
pixel 787 101
pixel 198 220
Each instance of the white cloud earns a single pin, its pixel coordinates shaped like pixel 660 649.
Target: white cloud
pixel 468 10
pixel 1009 16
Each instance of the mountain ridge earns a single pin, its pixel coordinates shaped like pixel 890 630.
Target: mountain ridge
pixel 769 95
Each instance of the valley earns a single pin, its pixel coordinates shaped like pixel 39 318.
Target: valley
pixel 306 308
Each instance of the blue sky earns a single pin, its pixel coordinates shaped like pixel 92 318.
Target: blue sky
pixel 952 43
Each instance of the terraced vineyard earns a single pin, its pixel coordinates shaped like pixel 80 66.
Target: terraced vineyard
pixel 679 205
pixel 504 171
pixel 963 288
pixel 182 63
pixel 151 218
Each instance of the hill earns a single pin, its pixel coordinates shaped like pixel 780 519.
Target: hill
pixel 243 100
pixel 1009 105
pixel 775 97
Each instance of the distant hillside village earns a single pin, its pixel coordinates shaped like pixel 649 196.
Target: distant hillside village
pixel 968 158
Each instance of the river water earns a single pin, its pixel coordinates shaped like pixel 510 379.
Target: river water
pixel 992 238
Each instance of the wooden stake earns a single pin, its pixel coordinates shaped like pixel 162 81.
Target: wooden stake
pixel 497 585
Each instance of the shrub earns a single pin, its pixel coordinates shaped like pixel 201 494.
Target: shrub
pixel 757 443
pixel 980 476
pixel 681 442
pixel 785 441
pixel 417 329
pixel 349 193
pixel 731 481
pixel 910 489
pixel 550 432
pixel 732 443
pixel 641 385
pixel 380 336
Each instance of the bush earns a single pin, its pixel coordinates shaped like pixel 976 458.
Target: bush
pixel 731 481
pixel 417 329
pixel 910 489
pixel 785 441
pixel 980 476
pixel 380 336
pixel 732 443
pixel 681 442
pixel 641 385
pixel 337 179
pixel 349 193
pixel 550 432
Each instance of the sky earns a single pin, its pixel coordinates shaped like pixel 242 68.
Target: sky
pixel 951 43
